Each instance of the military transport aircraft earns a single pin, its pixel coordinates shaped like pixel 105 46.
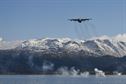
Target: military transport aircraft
pixel 79 20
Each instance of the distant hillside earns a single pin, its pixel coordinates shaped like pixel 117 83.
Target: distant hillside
pixel 30 62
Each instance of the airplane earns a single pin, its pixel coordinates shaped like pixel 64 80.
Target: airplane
pixel 80 20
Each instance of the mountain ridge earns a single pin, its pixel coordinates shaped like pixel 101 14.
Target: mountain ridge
pixel 49 55
pixel 100 46
pixel 97 46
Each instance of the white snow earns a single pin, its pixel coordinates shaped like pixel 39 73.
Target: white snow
pixel 104 45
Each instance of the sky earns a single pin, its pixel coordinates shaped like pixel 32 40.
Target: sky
pixel 28 19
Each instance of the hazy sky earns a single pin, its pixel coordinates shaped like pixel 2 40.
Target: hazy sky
pixel 27 19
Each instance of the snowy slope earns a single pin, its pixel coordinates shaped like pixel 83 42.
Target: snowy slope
pixel 99 46
pixel 115 46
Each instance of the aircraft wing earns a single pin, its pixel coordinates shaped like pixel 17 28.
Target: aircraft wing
pixel 73 19
pixel 85 19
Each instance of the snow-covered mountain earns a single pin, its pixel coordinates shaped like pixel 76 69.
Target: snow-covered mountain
pixel 49 55
pixel 115 46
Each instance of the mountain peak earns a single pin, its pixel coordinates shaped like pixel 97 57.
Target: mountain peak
pixel 104 45
pixel 101 45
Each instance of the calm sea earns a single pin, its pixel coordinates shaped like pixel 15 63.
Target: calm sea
pixel 42 79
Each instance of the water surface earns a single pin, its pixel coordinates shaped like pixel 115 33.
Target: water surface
pixel 52 79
